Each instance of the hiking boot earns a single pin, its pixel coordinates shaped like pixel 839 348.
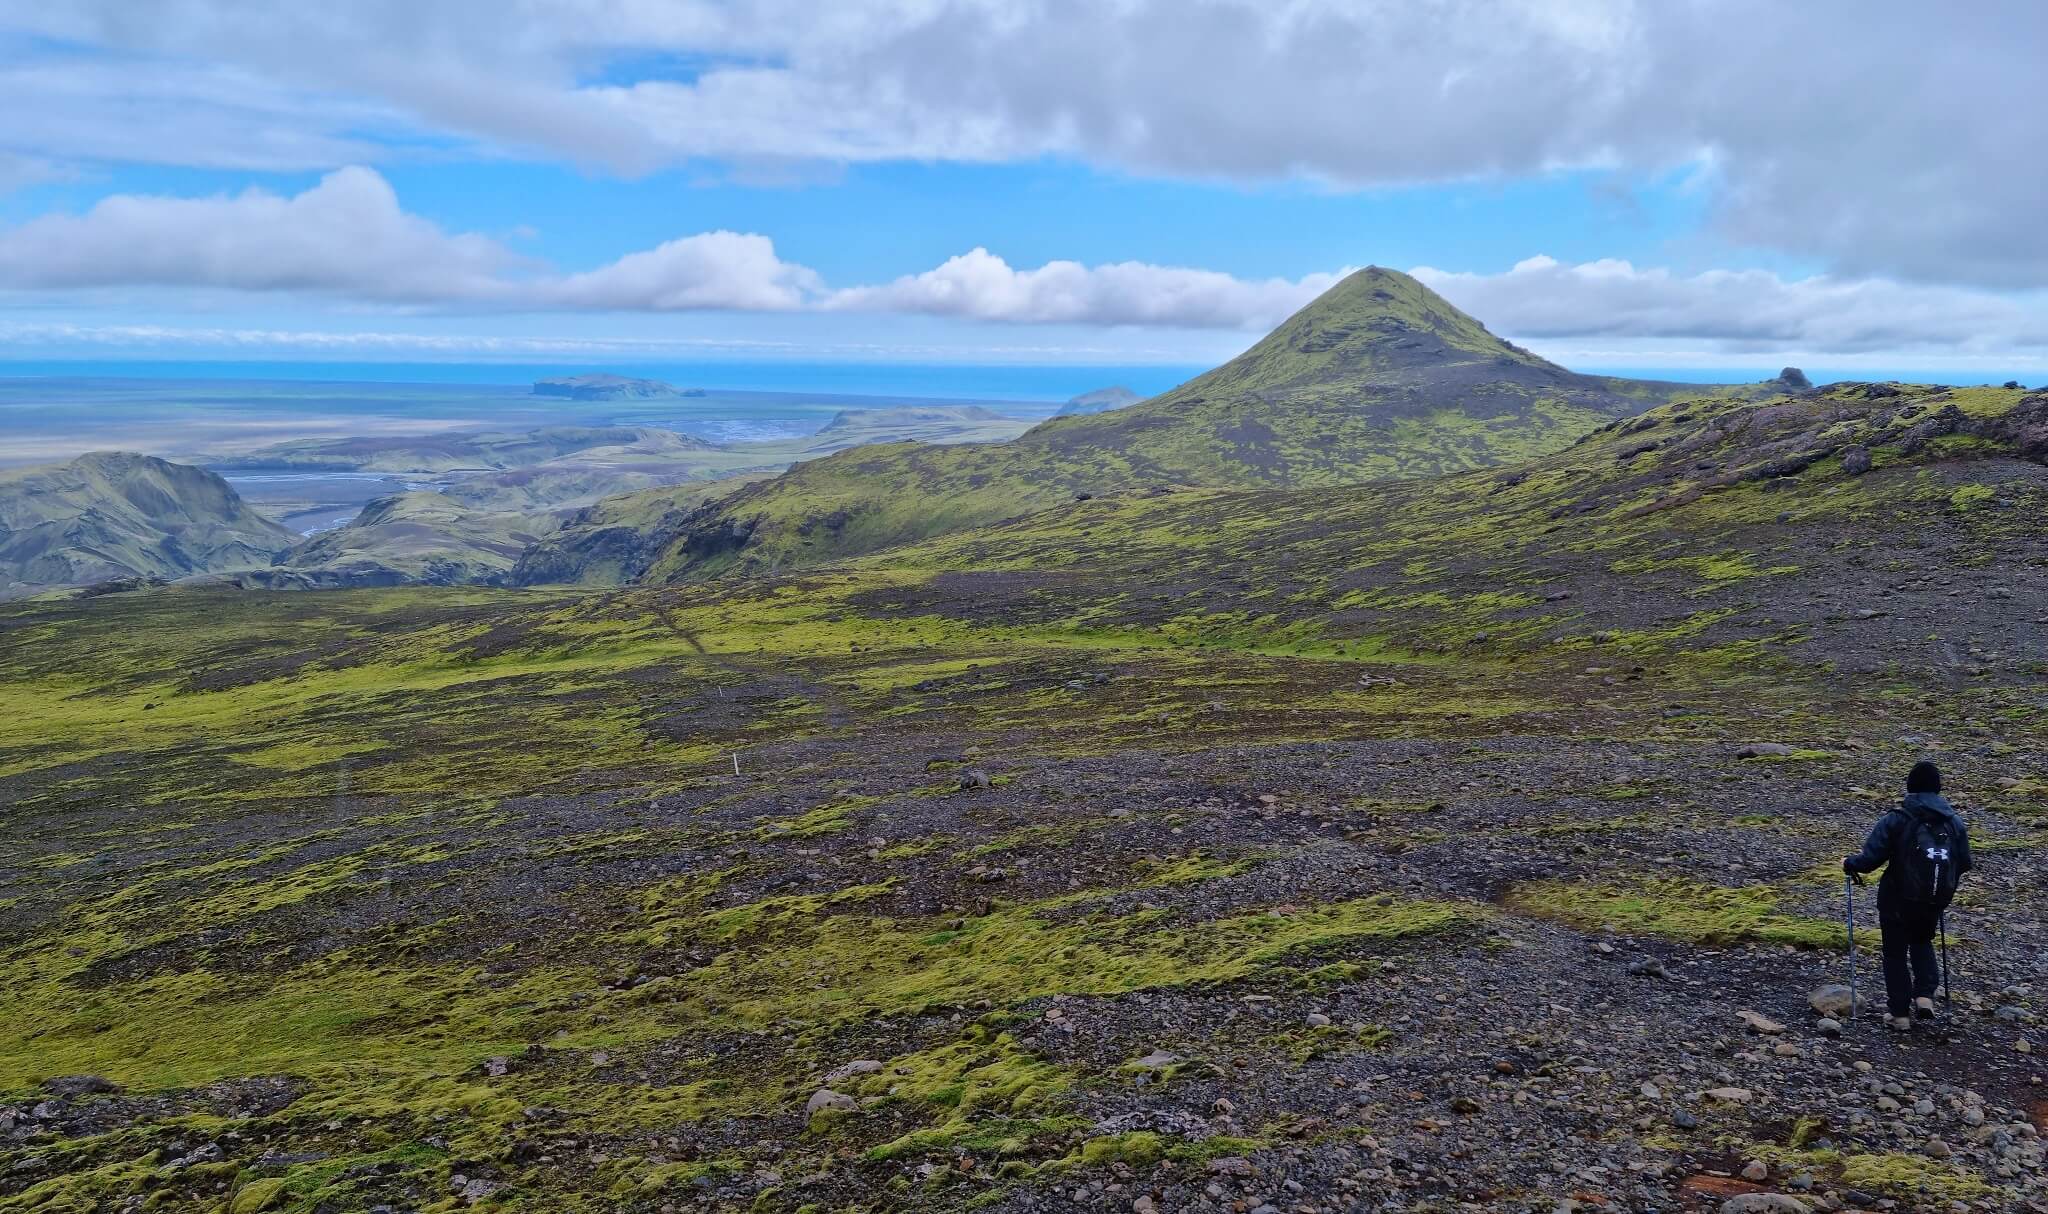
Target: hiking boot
pixel 1923 1008
pixel 1899 1024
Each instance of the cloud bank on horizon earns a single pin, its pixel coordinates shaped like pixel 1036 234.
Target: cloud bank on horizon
pixel 1823 206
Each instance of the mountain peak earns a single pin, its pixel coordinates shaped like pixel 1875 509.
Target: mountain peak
pixel 1376 326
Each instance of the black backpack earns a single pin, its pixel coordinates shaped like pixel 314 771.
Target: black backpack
pixel 1924 862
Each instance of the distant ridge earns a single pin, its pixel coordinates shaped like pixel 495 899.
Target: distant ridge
pixel 114 514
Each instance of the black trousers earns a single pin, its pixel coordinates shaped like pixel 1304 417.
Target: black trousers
pixel 1910 966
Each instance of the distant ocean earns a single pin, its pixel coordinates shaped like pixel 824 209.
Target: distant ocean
pixel 211 410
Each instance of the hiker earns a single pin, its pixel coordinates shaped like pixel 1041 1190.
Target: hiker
pixel 1924 848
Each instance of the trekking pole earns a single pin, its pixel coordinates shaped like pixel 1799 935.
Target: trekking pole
pixel 1849 904
pixel 1947 998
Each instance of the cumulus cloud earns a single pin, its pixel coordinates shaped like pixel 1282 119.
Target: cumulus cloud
pixel 729 270
pixel 349 237
pixel 979 285
pixel 1893 138
pixel 345 235
pixel 1741 309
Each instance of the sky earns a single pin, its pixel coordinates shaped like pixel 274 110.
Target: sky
pixel 1617 183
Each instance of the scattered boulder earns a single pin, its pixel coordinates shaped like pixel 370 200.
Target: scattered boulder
pixel 1730 1095
pixel 827 1100
pixel 975 777
pixel 1764 750
pixel 1856 459
pixel 859 1066
pixel 1832 1002
pixel 71 1087
pixel 1761 1024
pixel 1763 1203
pixel 1756 1171
pixel 1794 378
pixel 1157 1060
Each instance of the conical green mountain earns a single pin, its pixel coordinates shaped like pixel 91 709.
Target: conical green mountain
pixel 1379 378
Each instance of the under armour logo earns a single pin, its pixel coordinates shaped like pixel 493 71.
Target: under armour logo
pixel 1937 853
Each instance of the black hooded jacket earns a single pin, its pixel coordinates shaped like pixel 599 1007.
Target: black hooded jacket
pixel 1883 842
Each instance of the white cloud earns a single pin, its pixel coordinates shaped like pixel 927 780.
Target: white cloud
pixel 1891 137
pixel 729 270
pixel 346 235
pixel 979 285
pixel 1743 310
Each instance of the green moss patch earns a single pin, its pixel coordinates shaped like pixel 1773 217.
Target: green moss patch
pixel 1677 910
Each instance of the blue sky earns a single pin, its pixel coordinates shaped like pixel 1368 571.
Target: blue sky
pixel 1615 183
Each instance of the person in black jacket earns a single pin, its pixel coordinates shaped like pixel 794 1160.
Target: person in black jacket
pixel 1924 848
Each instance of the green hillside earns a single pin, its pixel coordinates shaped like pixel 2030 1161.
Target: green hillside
pixel 421 538
pixel 1153 842
pixel 114 514
pixel 614 541
pixel 1650 527
pixel 1378 379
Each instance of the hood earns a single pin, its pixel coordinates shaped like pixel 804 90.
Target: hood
pixel 1929 804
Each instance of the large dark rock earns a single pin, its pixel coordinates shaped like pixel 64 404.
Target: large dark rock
pixel 71 1087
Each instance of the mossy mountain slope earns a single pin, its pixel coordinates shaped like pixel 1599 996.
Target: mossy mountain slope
pixel 1385 843
pixel 420 538
pixel 1380 378
pixel 1677 528
pixel 115 514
